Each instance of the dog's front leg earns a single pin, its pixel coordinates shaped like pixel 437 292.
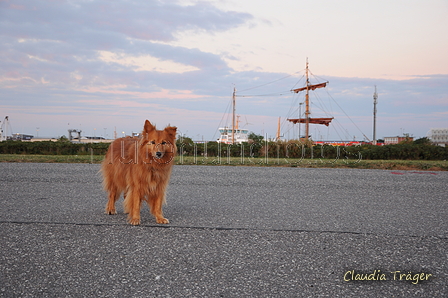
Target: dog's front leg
pixel 155 204
pixel 132 206
pixel 114 194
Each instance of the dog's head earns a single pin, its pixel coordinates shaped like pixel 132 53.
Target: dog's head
pixel 159 145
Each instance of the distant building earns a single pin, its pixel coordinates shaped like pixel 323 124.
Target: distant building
pixel 396 140
pixel 20 137
pixel 438 136
pixel 95 138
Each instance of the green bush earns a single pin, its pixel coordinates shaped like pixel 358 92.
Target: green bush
pixel 52 148
pixel 281 149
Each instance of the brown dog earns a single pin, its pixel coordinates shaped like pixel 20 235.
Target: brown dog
pixel 141 169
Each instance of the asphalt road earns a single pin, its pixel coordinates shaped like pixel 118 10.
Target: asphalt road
pixel 233 232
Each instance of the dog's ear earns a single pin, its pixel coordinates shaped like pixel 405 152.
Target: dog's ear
pixel 171 130
pixel 148 127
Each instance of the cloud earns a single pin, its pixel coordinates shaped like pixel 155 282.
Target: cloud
pixel 145 63
pixel 51 40
pixel 97 21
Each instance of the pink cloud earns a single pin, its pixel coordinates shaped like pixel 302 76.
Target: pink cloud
pixel 168 94
pixel 18 7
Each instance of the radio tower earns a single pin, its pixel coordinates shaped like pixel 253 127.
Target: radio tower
pixel 375 100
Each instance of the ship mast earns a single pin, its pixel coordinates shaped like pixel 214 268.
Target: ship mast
pixel 233 115
pixel 375 100
pixel 307 104
pixel 308 120
pixel 277 136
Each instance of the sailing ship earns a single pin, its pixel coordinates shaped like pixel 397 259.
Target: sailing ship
pixel 233 135
pixel 308 120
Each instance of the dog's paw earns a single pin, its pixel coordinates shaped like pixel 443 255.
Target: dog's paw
pixel 162 220
pixel 111 212
pixel 134 221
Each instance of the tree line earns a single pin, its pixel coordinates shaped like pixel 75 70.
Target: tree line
pixel 301 149
pixel 60 147
pixel 256 147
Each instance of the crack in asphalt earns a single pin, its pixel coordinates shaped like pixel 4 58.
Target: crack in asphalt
pixel 223 229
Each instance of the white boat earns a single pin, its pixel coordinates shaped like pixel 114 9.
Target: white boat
pixel 239 135
pixel 233 135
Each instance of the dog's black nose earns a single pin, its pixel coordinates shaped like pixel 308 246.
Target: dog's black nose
pixel 159 154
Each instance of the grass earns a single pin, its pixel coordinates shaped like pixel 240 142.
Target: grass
pixel 51 158
pixel 431 165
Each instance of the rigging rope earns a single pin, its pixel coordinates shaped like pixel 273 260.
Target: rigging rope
pixel 225 113
pixel 269 94
pixel 290 75
pixel 349 117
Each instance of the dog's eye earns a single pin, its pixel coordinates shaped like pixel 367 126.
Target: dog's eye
pixel 163 143
pixel 153 142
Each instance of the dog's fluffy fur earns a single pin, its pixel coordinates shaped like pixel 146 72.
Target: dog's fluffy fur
pixel 140 168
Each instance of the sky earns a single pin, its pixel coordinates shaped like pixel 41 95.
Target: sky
pixel 106 66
